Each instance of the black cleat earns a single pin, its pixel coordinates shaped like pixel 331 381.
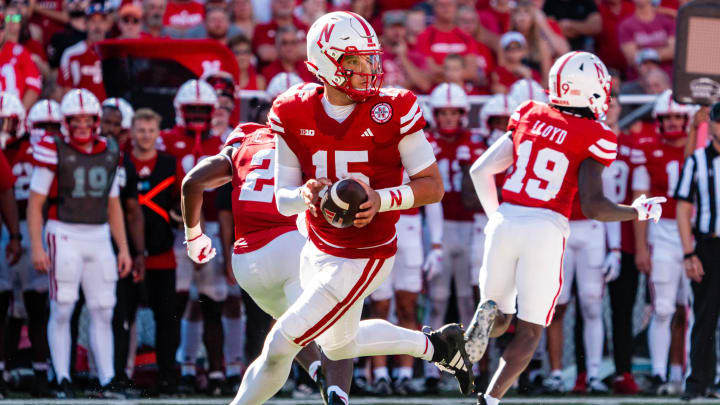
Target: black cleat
pixel 432 386
pixel 449 355
pixel 231 385
pixel 403 387
pixel 360 386
pixel 42 385
pixel 214 387
pixel 64 390
pixel 335 399
pixel 187 385
pixel 481 399
pixel 322 386
pixel 478 334
pixel 382 387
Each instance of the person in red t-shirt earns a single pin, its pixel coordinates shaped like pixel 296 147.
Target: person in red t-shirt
pixel 180 15
pixel 444 38
pixel 18 30
pixel 403 65
pixel 607 45
pixel 248 78
pixel 80 65
pixel 511 66
pixel 647 28
pixel 290 58
pixel 49 17
pixel 263 39
pixel 20 75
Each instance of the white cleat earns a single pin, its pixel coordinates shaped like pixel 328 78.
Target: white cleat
pixel 478 334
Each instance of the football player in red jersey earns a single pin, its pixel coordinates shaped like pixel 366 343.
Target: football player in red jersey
pixel 76 175
pixel 190 142
pixel 267 244
pixel 669 286
pixel 555 150
pixel 348 128
pixel 33 283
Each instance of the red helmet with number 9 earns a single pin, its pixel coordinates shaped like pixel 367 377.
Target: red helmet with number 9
pixel 580 79
pixel 80 103
pixel 336 36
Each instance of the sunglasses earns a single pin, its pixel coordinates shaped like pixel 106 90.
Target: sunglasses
pixel 13 18
pixel 288 43
pixel 242 51
pixel 130 20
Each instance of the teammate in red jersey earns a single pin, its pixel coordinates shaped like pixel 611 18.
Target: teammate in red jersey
pixel 669 286
pixel 34 284
pixel 76 175
pixel 189 142
pixel 348 128
pixel 555 150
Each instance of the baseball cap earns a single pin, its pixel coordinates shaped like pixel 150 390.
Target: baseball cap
pixel 95 8
pixel 647 55
pixel 130 9
pixel 715 112
pixel 510 37
pixel 393 17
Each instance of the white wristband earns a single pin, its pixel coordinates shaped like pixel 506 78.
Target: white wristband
pixel 396 198
pixel 193 232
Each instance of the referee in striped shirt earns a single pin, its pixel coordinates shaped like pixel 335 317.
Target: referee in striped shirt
pixel 699 186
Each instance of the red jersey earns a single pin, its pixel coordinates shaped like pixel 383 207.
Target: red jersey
pixel 264 34
pixel 660 170
pixel 45 155
pixel 438 44
pixel 6 176
pixel 80 67
pixel 256 217
pixel 276 67
pixel 48 27
pixel 20 156
pixel 364 145
pixel 183 15
pixel 452 156
pixel 188 151
pixel 18 73
pixel 548 148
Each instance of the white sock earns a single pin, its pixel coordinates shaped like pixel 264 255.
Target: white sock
pixel 101 342
pixel 490 400
pixel 234 342
pixel 404 372
pixel 58 332
pixel 379 337
pixel 216 375
pixel 556 373
pixel 340 393
pixel 593 335
pixel 380 372
pixel 659 337
pixel 313 369
pixel 191 338
pixel 676 373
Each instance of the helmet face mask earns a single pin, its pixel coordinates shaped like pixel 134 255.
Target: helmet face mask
pixel 673 119
pixel 362 72
pixel 12 118
pixel 448 119
pixel 82 127
pixel 81 113
pixel 197 117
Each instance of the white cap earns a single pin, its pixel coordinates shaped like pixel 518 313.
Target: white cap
pixel 510 37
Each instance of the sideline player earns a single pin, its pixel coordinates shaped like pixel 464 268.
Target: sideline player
pixel 75 174
pixel 267 243
pixel 555 150
pixel 190 142
pixel 34 284
pixel 663 264
pixel 348 128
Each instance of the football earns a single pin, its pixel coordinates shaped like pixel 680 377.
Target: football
pixel 342 201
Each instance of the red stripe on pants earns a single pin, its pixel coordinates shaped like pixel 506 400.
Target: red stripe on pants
pixel 551 312
pixel 341 307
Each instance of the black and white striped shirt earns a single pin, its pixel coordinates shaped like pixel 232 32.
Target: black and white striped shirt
pixel 700 184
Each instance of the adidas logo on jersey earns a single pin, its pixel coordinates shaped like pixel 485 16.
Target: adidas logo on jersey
pixel 307 132
pixel 367 132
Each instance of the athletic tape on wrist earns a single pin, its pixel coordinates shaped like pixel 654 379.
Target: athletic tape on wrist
pixel 396 198
pixel 193 232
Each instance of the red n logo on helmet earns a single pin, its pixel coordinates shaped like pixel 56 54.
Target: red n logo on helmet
pixel 326 31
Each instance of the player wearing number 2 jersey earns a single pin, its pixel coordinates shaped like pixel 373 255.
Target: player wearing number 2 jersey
pixel 555 150
pixel 348 128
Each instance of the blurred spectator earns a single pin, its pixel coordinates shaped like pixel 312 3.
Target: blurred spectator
pixel 20 75
pixel 261 11
pixel 647 28
pixel 469 23
pixel 226 116
pixel 181 15
pixel 48 17
pixel 242 16
pixel 607 47
pixel 653 81
pixel 403 66
pixel 578 19
pixel 153 12
pixel 73 32
pixel 453 69
pixel 415 24
pixel 290 59
pixel 510 66
pixel 524 21
pixel 129 17
pixel 550 30
pixel 443 37
pixel 263 40
pixel 80 65
pixel 217 25
pixel 368 10
pixel 17 20
pixel 495 21
pixel 249 79
pixel 310 10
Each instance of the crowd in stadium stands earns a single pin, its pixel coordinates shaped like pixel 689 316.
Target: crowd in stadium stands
pixel 503 48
